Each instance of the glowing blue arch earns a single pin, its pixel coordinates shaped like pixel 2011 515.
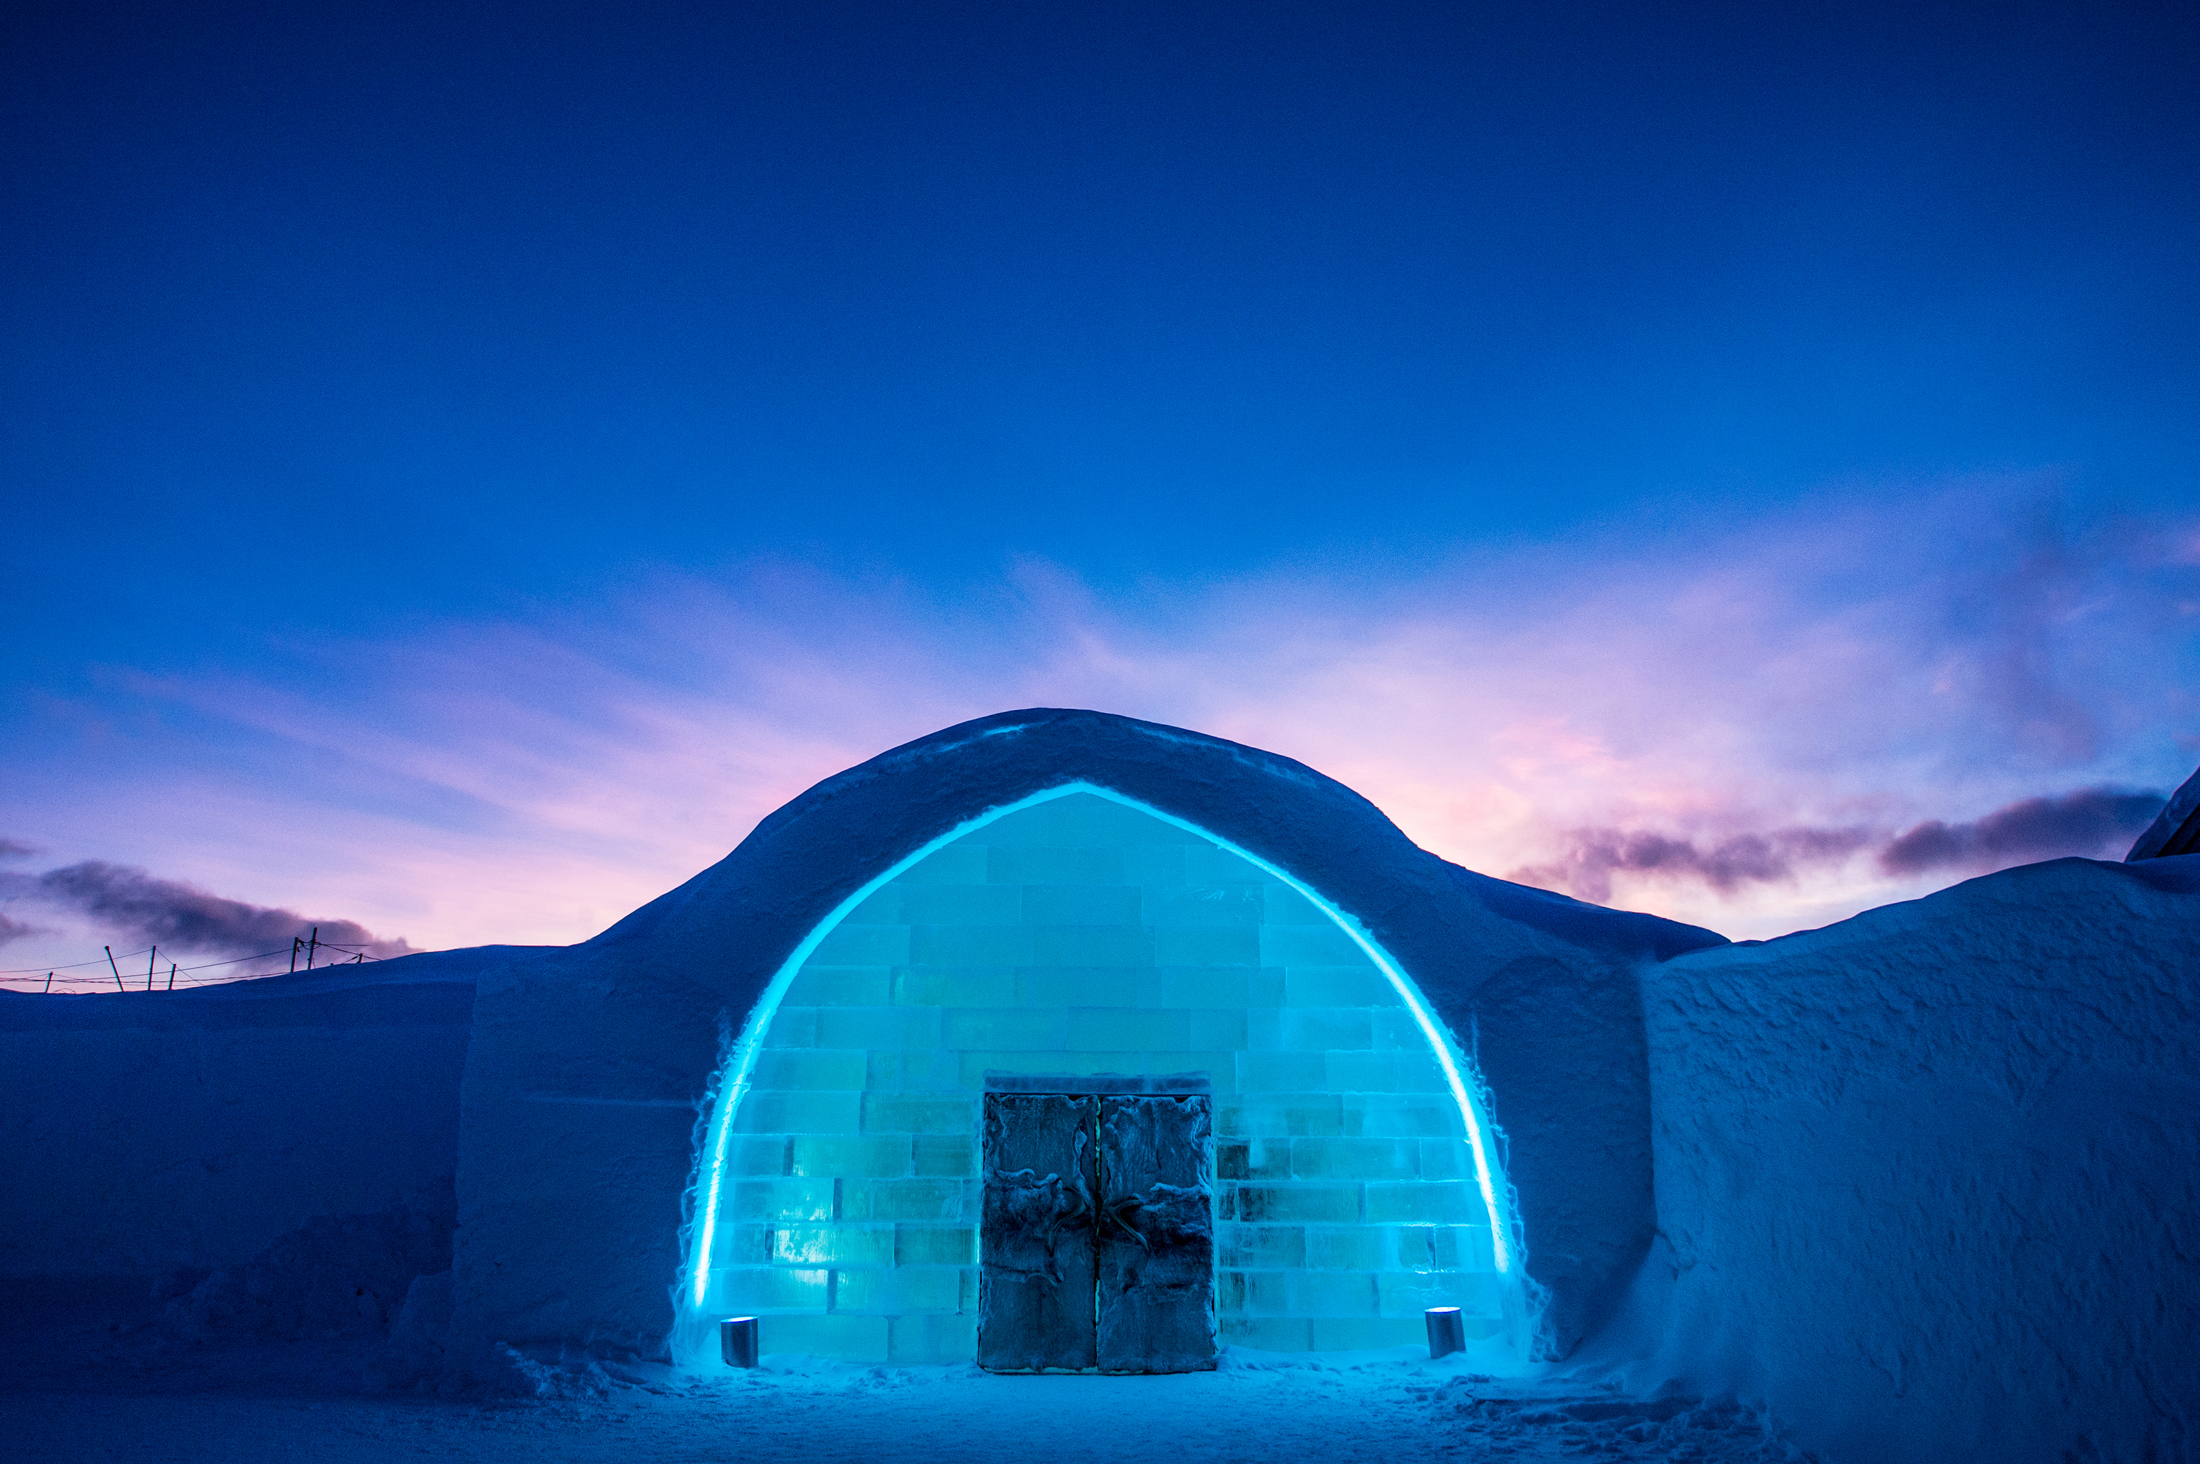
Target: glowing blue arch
pixel 733 1081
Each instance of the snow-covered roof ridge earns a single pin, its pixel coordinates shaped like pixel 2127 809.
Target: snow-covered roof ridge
pixel 2176 829
pixel 856 823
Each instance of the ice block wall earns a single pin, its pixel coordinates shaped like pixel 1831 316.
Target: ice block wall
pixel 1082 936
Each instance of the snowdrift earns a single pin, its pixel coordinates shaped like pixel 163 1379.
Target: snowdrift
pixel 1929 1179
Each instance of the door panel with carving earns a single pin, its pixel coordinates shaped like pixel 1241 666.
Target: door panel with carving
pixel 1035 1285
pixel 1156 1262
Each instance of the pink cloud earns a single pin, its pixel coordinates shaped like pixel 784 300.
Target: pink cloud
pixel 1729 697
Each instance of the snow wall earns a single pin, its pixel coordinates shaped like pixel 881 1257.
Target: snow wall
pixel 142 1132
pixel 1929 1180
pixel 590 1067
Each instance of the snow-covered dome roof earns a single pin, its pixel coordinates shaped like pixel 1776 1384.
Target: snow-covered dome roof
pixel 802 859
pixel 1541 991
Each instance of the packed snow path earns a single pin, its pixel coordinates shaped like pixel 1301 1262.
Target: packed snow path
pixel 1230 1417
pixel 88 1372
pixel 109 1394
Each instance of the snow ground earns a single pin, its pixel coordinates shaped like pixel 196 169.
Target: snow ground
pixel 88 1373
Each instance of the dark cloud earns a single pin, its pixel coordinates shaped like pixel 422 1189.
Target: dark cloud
pixel 2092 821
pixel 1586 869
pixel 177 916
pixel 14 930
pixel 16 849
pixel 2098 822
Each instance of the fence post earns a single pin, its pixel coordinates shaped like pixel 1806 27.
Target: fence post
pixel 313 946
pixel 171 975
pixel 152 959
pixel 110 950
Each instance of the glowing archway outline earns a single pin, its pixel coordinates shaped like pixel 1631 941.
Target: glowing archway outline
pixel 734 1085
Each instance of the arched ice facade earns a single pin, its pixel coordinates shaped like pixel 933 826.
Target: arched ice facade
pixel 1078 933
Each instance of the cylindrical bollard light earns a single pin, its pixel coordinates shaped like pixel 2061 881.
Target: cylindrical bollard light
pixel 1446 1334
pixel 737 1341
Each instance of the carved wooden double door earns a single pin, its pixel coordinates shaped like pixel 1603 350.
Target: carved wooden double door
pixel 1097 1240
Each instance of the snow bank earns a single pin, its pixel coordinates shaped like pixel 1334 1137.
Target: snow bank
pixel 1927 1179
pixel 144 1132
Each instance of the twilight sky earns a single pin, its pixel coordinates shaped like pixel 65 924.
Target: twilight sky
pixel 465 464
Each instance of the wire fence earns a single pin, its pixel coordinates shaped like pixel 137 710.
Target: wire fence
pixel 307 952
